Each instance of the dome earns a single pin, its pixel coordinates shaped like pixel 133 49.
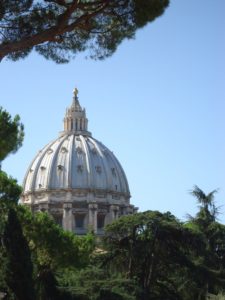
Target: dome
pixel 75 161
pixel 77 179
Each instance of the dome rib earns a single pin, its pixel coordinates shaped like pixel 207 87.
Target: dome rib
pixel 71 154
pixel 103 163
pixel 52 171
pixel 87 161
pixel 35 166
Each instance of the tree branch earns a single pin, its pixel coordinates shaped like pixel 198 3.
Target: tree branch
pixel 51 33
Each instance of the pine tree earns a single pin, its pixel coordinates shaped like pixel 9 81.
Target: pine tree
pixel 11 133
pixel 18 275
pixel 58 29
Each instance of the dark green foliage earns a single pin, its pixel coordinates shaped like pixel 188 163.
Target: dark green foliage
pixel 51 246
pixel 207 210
pixel 94 283
pixel 11 237
pixel 146 11
pixel 18 274
pixel 11 134
pixel 47 287
pixel 59 29
pixel 9 189
pixel 53 251
pixel 146 256
pixel 149 246
pixel 3 253
pixel 211 267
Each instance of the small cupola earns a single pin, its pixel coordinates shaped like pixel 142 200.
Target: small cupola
pixel 75 120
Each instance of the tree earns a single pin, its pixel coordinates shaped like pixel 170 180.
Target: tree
pixel 15 261
pixel 208 211
pixel 213 261
pixel 11 138
pixel 52 246
pixel 11 134
pixel 53 251
pixel 95 283
pixel 9 189
pixel 18 274
pixel 58 29
pixel 149 247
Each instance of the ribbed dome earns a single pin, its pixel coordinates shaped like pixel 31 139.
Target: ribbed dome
pixel 76 179
pixel 74 161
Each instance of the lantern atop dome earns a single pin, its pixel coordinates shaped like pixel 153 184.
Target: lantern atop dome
pixel 75 118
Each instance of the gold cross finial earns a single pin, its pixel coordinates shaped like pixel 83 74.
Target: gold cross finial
pixel 75 92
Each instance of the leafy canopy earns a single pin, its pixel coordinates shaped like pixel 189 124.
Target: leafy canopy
pixel 9 189
pixel 11 138
pixel 205 222
pixel 148 247
pixel 58 29
pixel 11 134
pixel 50 244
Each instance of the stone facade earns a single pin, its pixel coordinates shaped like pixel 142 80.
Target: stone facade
pixel 77 179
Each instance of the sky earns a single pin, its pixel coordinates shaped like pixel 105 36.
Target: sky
pixel 158 103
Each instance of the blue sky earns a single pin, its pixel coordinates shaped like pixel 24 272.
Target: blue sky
pixel 158 103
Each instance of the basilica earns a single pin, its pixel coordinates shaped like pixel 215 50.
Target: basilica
pixel 77 179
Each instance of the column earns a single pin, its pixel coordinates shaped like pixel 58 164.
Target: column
pixel 83 124
pixel 92 216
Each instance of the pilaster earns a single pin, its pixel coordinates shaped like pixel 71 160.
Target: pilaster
pixel 114 212
pixel 68 219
